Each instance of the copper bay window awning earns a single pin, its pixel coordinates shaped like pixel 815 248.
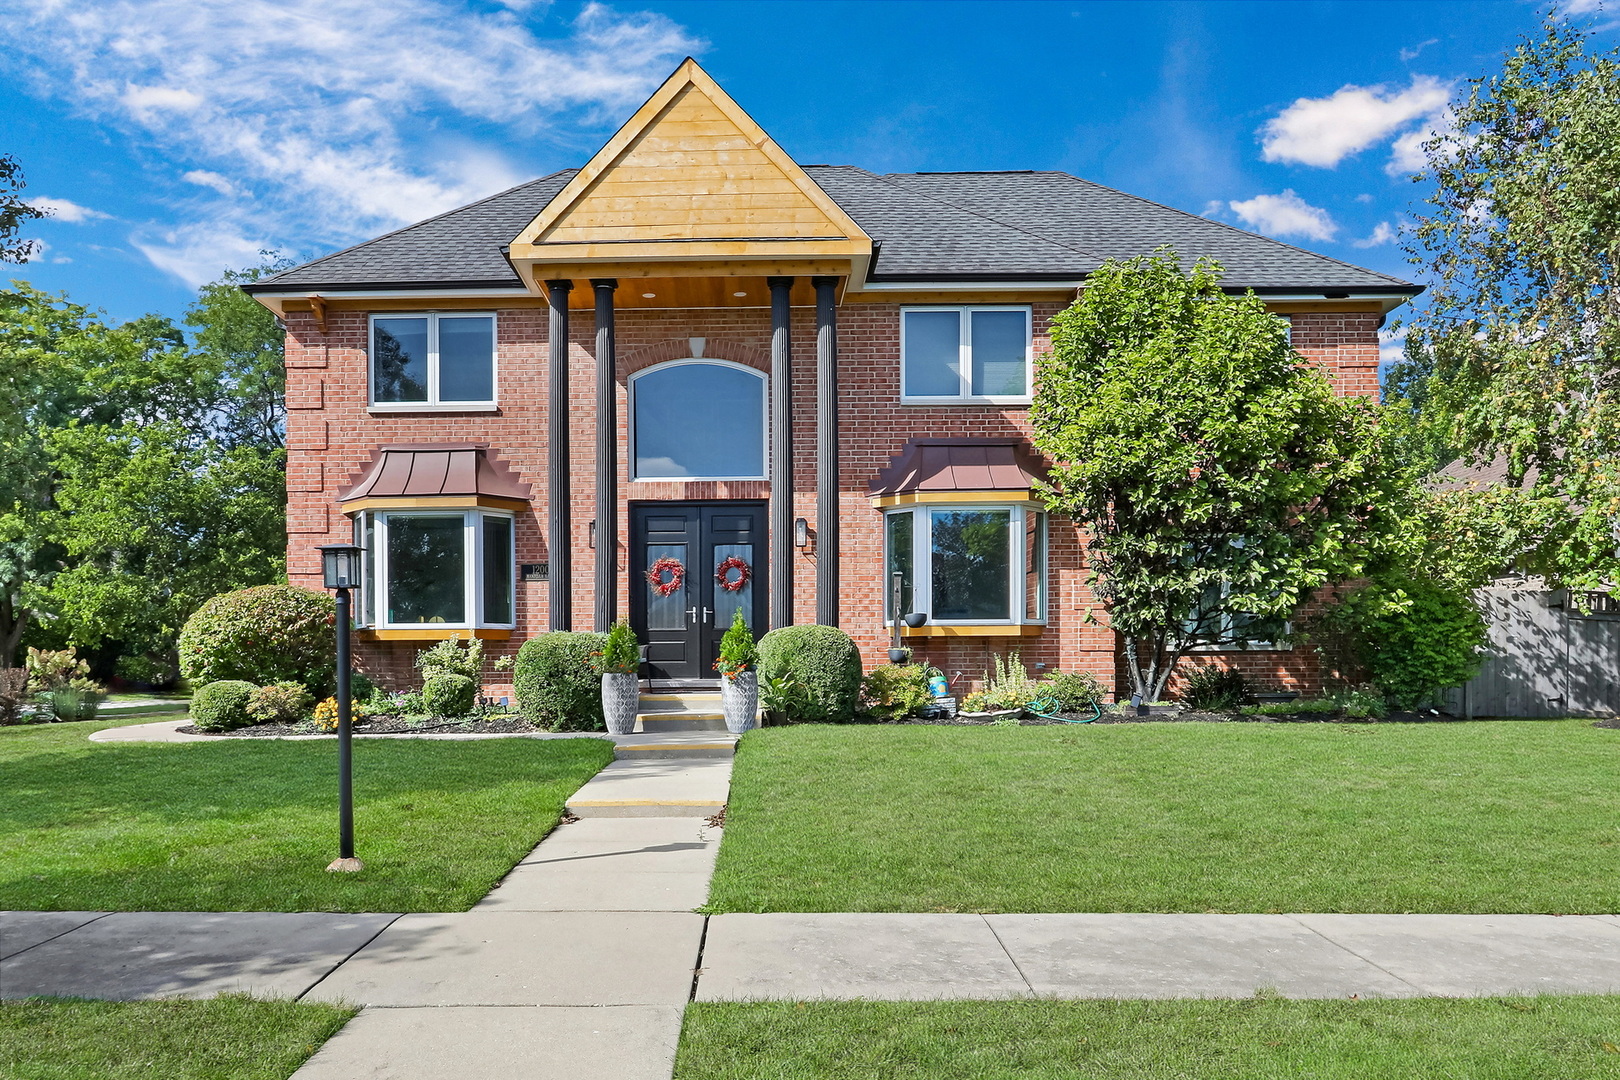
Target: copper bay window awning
pixel 403 475
pixel 951 470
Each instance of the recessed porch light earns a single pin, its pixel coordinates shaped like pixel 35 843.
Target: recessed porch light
pixel 739 294
pixel 649 295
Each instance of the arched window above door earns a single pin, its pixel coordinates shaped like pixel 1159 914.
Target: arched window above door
pixel 697 420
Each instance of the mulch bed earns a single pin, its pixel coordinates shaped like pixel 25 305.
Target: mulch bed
pixel 388 725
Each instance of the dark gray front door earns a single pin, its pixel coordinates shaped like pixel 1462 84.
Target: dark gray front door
pixel 683 628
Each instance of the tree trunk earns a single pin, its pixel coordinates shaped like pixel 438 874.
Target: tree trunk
pixel 12 625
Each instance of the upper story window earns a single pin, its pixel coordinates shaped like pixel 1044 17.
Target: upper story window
pixel 981 354
pixel 432 361
pixel 698 420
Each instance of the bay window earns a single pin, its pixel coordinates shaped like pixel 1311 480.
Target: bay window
pixel 965 564
pixel 432 361
pixel 451 568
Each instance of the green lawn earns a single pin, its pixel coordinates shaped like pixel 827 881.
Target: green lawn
pixel 226 1038
pixel 249 825
pixel 1567 1038
pixel 1454 817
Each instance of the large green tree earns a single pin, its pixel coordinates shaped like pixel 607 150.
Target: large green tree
pixel 139 474
pixel 1516 354
pixel 1221 481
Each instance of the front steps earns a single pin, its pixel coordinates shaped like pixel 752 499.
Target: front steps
pixel 677 725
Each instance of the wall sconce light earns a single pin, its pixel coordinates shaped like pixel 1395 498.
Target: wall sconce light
pixel 801 533
pixel 592 537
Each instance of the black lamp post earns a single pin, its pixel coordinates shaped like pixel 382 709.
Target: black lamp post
pixel 340 565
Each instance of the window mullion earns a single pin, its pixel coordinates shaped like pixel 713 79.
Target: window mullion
pixel 922 558
pixel 380 595
pixel 1015 565
pixel 433 360
pixel 472 537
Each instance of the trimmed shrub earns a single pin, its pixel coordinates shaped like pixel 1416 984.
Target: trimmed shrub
pixel 1411 638
pixel 557 682
pixel 895 691
pixel 447 694
pixel 222 705
pixel 270 633
pixel 825 661
pixel 1215 688
pixel 280 703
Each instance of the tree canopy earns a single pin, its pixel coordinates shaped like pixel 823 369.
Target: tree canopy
pixel 139 474
pixel 1220 480
pixel 14 213
pixel 1515 357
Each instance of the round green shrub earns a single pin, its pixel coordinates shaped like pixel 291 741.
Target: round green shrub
pixel 896 691
pixel 1411 638
pixel 556 680
pixel 222 705
pixel 267 634
pixel 280 703
pixel 825 661
pixel 449 695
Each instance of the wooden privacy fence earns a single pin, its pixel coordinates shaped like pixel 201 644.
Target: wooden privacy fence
pixel 1546 656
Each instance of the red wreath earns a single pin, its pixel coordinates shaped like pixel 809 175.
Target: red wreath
pixel 723 578
pixel 656 572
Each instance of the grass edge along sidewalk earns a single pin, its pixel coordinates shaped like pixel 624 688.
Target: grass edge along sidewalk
pixel 250 826
pixel 1264 1038
pixel 227 1036
pixel 1466 817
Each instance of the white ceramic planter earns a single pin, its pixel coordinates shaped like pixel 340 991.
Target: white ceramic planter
pixel 739 701
pixel 621 700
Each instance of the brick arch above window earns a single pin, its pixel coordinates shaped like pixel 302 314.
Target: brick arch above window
pixel 681 349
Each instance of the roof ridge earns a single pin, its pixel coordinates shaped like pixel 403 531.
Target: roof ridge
pixel 987 217
pixel 413 225
pixel 1242 232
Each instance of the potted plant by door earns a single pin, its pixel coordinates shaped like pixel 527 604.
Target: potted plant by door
pixel 739 682
pixel 621 693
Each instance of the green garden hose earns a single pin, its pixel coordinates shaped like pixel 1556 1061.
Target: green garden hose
pixel 1047 709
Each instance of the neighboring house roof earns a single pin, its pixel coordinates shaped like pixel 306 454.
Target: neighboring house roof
pixel 1461 476
pixel 967 464
pixel 928 226
pixel 428 470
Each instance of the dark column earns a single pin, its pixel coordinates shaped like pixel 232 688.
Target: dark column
pixel 781 452
pixel 607 458
pixel 559 530
pixel 826 450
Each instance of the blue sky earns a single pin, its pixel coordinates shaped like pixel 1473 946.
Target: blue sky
pixel 175 138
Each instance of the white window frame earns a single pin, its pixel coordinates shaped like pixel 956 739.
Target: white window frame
pixel 433 404
pixel 964 363
pixel 922 561
pixel 375 591
pixel 765 420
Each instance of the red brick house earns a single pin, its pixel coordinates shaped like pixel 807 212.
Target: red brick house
pixel 790 382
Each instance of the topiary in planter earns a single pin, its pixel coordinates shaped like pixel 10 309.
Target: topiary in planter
pixel 222 705
pixel 558 683
pixel 269 634
pixel 825 661
pixel 449 695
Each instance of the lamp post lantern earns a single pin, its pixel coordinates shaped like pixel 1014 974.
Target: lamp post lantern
pixel 340 567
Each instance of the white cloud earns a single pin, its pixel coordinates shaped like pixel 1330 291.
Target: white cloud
pixel 34 251
pixel 1582 7
pixel 61 258
pixel 1382 233
pixel 323 107
pixel 209 179
pixel 1324 131
pixel 1285 215
pixel 198 253
pixel 65 210
pixel 1408 55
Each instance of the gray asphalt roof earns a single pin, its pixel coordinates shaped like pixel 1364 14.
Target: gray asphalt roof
pixel 987 225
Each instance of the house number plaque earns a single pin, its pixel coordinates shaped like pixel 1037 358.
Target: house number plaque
pixel 536 571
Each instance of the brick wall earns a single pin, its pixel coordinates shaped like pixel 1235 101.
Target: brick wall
pixel 331 435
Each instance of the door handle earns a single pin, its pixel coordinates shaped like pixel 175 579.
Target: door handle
pixel 692 613
pixel 707 612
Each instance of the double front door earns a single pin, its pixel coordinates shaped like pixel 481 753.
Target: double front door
pixel 693 566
